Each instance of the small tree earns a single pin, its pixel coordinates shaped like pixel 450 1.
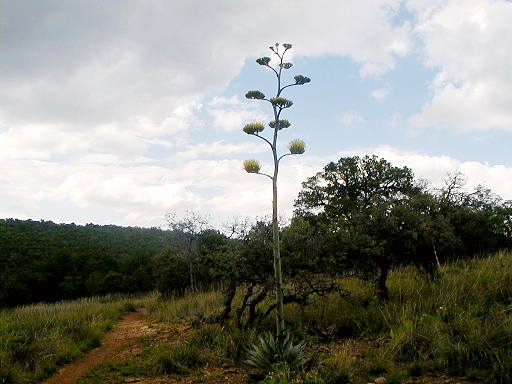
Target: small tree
pixel 185 231
pixel 296 147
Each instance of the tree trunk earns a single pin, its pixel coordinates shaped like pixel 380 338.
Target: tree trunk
pixel 229 294
pixel 381 282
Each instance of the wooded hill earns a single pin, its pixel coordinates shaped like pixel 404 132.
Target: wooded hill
pixel 44 261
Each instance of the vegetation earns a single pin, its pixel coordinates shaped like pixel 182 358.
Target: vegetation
pixel 375 217
pixel 459 326
pixel 44 261
pixel 273 355
pixel 296 147
pixel 36 339
pixel 360 218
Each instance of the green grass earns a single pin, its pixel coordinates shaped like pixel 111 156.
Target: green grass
pixel 193 308
pixel 36 339
pixel 460 325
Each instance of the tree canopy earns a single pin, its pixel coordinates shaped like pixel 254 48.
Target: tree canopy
pixel 377 217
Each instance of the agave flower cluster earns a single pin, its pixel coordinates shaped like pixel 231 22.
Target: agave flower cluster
pixel 252 166
pixel 278 103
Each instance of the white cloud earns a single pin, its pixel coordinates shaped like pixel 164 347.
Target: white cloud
pixel 106 105
pixel 496 177
pixel 103 60
pixel 469 42
pixel 129 190
pixel 435 168
pixel 251 194
pixel 36 142
pixel 220 148
pixel 431 168
pixel 362 30
pixel 352 118
pixel 180 120
pixel 232 114
pixel 381 93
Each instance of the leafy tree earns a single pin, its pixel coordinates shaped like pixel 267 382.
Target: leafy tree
pixel 241 264
pixel 480 221
pixel 371 212
pixel 279 104
pixel 171 272
pixel 374 216
pixel 238 263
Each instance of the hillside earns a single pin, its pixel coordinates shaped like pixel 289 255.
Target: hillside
pixel 456 329
pixel 44 261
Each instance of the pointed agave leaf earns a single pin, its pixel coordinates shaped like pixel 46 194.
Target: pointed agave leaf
pixel 271 353
pixel 257 95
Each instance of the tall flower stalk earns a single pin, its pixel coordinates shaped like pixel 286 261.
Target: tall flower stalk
pixel 296 147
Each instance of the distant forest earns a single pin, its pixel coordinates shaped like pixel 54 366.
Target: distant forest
pixel 359 217
pixel 44 261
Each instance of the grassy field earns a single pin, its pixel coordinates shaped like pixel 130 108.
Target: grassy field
pixel 459 326
pixel 36 339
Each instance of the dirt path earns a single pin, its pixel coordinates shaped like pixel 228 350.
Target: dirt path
pixel 123 336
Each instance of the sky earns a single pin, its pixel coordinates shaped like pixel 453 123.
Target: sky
pixel 122 111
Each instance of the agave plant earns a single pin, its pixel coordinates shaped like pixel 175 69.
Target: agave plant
pixel 296 147
pixel 274 355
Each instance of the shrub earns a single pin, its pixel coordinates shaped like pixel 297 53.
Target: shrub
pixel 284 377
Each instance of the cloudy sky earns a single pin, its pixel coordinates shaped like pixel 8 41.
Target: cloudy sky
pixel 120 111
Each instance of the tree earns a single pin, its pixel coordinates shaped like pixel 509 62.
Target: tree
pixel 185 231
pixel 373 212
pixel 296 147
pixel 374 216
pixel 171 272
pixel 44 261
pixel 479 221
